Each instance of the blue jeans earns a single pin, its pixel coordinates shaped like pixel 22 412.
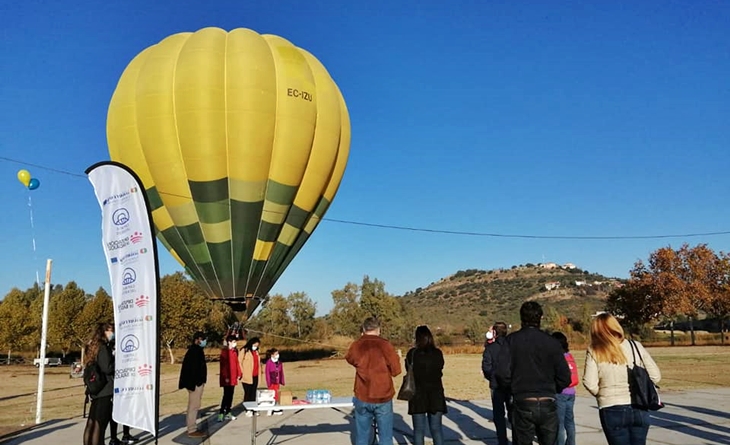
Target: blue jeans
pixel 535 418
pixel 434 424
pixel 364 415
pixel 566 429
pixel 500 408
pixel 624 425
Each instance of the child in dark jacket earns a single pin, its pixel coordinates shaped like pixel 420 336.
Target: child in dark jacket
pixel 274 375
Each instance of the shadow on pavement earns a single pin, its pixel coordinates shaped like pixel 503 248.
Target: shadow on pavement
pixel 689 425
pixel 36 432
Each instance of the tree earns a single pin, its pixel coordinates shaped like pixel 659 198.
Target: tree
pixel 98 309
pixel 302 310
pixel 475 331
pixel 346 314
pixel 220 319
pixel 16 325
pixel 376 302
pixel 635 303
pixel 184 310
pixel 719 304
pixel 64 310
pixel 274 317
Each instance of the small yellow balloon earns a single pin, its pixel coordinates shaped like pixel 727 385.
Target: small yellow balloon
pixel 24 177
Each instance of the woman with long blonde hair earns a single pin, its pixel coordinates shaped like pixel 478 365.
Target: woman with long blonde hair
pixel 606 377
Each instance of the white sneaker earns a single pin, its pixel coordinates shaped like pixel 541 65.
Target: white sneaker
pixel 230 416
pixel 249 413
pixel 278 413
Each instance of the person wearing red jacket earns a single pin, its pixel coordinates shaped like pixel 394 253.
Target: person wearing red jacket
pixel 230 375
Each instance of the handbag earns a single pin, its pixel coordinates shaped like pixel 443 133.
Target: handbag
pixel 408 388
pixel 644 393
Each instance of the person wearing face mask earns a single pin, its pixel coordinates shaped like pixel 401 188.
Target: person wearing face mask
pixel 99 354
pixel 229 377
pixel 274 375
pixel 193 376
pixel 250 369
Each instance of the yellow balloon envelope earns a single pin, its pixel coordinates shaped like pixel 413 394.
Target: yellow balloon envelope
pixel 241 141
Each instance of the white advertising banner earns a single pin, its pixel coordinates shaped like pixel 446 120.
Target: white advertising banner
pixel 129 245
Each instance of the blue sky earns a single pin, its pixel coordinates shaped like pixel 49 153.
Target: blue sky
pixel 535 118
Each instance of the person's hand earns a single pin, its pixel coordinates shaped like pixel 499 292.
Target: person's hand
pixel 228 380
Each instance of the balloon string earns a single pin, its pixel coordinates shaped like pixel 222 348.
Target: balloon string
pixel 32 228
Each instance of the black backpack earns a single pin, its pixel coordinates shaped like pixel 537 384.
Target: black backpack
pixel 94 379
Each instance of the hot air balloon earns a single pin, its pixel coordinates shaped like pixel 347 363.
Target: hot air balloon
pixel 241 141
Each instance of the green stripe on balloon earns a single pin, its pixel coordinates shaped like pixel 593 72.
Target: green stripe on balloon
pixel 268 232
pixel 221 253
pixel 279 193
pixel 191 234
pixel 245 217
pixel 212 212
pixel 297 217
pixel 209 191
pixel 153 196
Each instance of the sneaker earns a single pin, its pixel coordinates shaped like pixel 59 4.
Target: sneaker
pixel 196 434
pixel 249 413
pixel 230 416
pixel 278 413
pixel 129 440
pixel 220 417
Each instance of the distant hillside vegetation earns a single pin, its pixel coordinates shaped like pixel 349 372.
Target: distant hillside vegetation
pixel 492 295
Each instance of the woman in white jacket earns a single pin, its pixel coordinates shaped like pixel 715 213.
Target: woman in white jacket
pixel 606 377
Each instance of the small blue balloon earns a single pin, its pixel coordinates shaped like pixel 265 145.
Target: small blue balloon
pixel 34 184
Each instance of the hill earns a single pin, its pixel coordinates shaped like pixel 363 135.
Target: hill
pixel 485 296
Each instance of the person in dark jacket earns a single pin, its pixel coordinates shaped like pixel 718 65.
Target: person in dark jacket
pixel 99 353
pixel 428 405
pixel 193 376
pixel 532 368
pixel 501 399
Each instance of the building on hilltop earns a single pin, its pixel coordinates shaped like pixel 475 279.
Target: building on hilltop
pixel 552 285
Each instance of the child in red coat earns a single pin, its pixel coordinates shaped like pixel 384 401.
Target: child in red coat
pixel 230 375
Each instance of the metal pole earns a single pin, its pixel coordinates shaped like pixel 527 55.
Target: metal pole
pixel 44 330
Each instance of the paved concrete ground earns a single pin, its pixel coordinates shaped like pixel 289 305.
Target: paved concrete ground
pixel 691 418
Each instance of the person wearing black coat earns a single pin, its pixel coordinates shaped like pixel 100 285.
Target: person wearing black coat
pixel 501 399
pixel 193 376
pixel 428 405
pixel 99 353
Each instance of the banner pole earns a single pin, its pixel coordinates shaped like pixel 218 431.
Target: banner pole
pixel 44 331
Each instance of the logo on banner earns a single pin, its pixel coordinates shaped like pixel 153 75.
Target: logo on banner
pixel 142 301
pixel 129 276
pixel 136 238
pixel 125 305
pixel 144 370
pixel 119 197
pixel 120 217
pixel 129 257
pixel 117 244
pixel 123 373
pixel 133 389
pixel 129 343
